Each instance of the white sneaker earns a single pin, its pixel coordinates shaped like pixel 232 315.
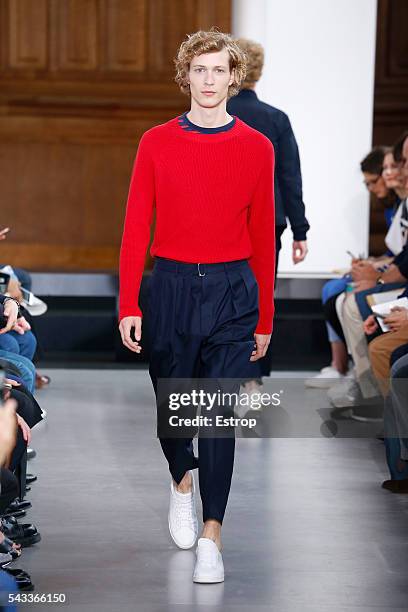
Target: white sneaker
pixel 183 524
pixel 326 378
pixel 209 566
pixel 345 395
pixel 35 306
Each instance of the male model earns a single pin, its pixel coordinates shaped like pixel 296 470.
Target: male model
pixel 210 178
pixel 275 125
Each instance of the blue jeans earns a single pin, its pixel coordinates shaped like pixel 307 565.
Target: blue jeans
pixel 396 417
pixel 25 367
pixel 335 286
pixel 24 344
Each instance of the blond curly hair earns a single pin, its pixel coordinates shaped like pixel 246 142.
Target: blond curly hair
pixel 255 61
pixel 208 42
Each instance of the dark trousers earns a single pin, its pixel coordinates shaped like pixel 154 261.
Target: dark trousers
pixel 8 488
pixel 201 324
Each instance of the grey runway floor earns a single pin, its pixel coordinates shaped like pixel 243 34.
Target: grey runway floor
pixel 308 527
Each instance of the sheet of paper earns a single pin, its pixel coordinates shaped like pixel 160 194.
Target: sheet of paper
pixel 384 308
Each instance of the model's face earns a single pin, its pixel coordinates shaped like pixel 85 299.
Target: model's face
pixel 209 77
pixel 375 184
pixel 392 172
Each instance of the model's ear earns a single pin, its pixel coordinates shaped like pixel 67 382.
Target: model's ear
pixel 232 78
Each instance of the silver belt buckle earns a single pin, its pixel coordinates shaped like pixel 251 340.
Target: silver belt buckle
pixel 199 271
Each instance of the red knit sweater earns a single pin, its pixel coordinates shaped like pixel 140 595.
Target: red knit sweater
pixel 214 202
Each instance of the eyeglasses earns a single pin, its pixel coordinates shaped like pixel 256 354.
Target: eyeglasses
pixel 372 182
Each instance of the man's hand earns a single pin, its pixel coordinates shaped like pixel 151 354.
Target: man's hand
pixel 4 232
pixel 125 327
pixel 21 326
pixel 364 270
pixel 24 428
pixel 14 289
pixel 299 250
pixel 11 312
pixel 262 342
pixel 397 318
pixel 8 431
pixel 370 325
pixel 363 285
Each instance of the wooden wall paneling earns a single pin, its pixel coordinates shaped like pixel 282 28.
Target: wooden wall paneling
pixel 170 22
pixel 76 35
pixel 391 75
pixel 70 123
pixel 27 34
pixel 214 13
pixel 124 35
pixel 3 35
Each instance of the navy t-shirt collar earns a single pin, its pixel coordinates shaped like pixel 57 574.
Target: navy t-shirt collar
pixel 189 126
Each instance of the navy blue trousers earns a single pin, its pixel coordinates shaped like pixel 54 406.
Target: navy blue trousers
pixel 202 320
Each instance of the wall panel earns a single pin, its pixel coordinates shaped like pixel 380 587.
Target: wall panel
pixel 80 81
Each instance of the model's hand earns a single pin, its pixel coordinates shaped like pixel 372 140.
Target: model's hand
pixel 370 325
pixel 262 342
pixel 397 318
pixel 11 312
pixel 299 250
pixel 125 327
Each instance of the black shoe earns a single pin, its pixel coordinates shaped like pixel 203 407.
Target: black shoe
pixel 24 534
pixel 17 505
pixel 22 579
pixel 30 478
pixel 16 514
pixel 396 486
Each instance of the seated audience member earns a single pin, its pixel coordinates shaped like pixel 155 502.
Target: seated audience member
pixel 27 343
pixel 11 312
pixel 380 179
pixel 18 415
pixel 381 348
pixel 18 345
pixel 396 423
pixel 397 221
pixel 368 279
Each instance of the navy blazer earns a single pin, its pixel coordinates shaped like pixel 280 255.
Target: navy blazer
pixel 275 125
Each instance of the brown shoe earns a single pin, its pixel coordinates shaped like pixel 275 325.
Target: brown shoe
pixel 396 486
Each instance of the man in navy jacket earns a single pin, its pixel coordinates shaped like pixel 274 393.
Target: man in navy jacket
pixel 275 125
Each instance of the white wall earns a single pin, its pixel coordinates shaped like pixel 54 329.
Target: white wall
pixel 319 69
